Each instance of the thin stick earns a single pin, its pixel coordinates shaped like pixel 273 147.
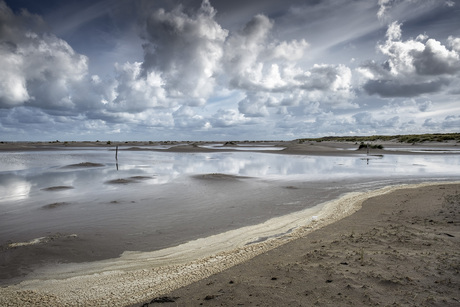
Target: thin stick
pixel 116 156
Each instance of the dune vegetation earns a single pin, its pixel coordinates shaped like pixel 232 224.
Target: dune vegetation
pixel 410 138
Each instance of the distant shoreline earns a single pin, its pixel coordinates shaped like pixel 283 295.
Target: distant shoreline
pixel 399 138
pixel 297 147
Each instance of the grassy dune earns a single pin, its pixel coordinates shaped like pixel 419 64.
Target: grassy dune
pixel 411 138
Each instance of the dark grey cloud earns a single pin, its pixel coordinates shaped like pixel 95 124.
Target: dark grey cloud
pixel 393 88
pixel 413 67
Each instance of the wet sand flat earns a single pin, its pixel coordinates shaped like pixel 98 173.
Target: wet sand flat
pixel 403 241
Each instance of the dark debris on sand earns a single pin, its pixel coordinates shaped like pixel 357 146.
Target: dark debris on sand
pixel 161 300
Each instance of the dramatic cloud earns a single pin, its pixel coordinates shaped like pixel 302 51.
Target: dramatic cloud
pixel 210 70
pixel 134 91
pixel 267 70
pixel 413 67
pixel 185 51
pixel 38 69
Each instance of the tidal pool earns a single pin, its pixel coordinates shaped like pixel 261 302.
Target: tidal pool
pixel 153 199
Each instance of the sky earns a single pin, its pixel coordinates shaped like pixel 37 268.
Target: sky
pixel 223 70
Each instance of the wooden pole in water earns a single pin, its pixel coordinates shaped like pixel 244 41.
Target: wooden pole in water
pixel 116 156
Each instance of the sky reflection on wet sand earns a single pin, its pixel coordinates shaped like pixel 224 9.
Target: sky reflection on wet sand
pixel 157 198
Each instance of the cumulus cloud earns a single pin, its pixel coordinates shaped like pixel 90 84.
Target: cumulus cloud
pixel 186 117
pixel 257 62
pixel 454 43
pixel 255 104
pixel 413 67
pixel 185 51
pixel 187 56
pixel 133 92
pixel 268 71
pixel 38 69
pixel 192 74
pixel 228 118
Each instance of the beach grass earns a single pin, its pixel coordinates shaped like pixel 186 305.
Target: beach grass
pixel 410 138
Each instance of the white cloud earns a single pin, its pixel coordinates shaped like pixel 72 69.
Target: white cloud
pixel 413 67
pixel 289 51
pixel 186 51
pixel 384 6
pixel 268 71
pixel 255 104
pixel 38 69
pixel 133 92
pixel 228 118
pixel 255 61
pixel 454 43
pixel 186 118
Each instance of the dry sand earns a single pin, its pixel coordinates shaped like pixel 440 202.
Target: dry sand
pixel 402 247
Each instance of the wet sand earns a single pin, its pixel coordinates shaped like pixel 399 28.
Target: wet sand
pixel 404 241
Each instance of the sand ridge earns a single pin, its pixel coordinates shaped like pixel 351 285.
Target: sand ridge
pixel 136 277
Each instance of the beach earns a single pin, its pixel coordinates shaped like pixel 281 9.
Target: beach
pixel 399 249
pixel 364 238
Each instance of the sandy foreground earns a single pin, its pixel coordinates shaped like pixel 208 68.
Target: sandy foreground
pixel 396 245
pixel 402 248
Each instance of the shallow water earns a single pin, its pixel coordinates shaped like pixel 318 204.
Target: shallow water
pixel 153 199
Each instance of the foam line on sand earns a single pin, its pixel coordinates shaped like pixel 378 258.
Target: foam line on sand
pixel 137 276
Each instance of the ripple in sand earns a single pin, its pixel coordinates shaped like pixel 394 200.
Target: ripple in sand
pixel 58 188
pixel 84 164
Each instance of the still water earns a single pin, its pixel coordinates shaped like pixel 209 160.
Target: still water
pixel 155 199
